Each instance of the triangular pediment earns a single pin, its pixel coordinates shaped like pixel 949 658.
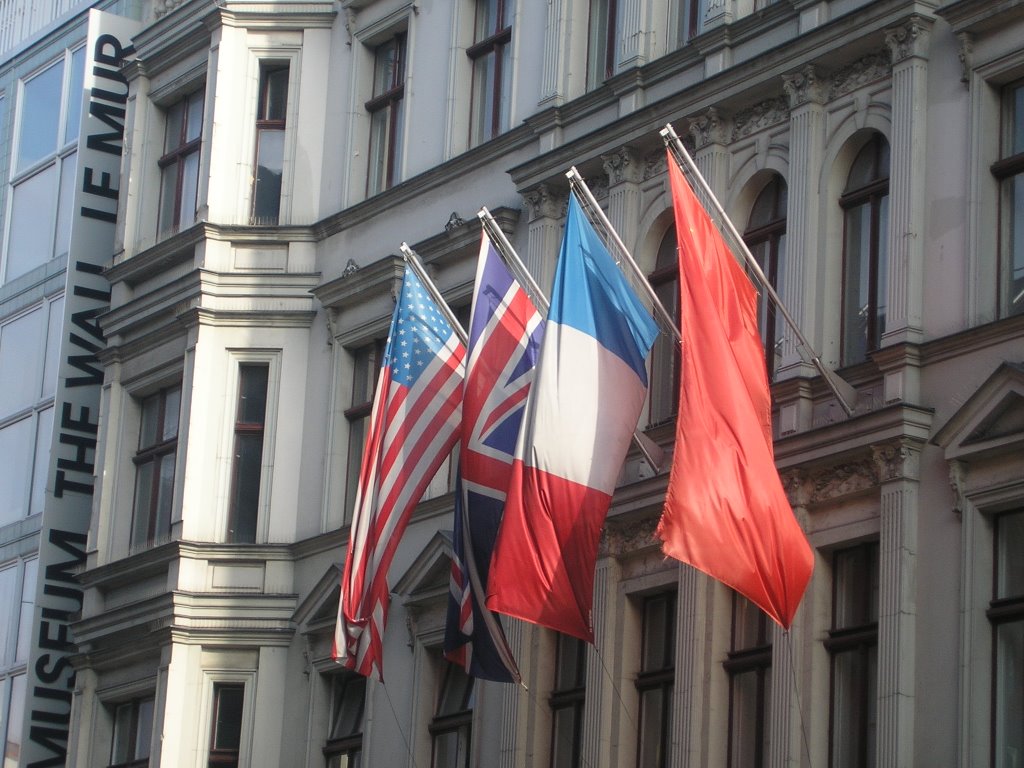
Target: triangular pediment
pixel 428 576
pixel 320 608
pixel 991 421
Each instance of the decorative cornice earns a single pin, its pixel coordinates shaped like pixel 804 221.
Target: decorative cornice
pixel 710 128
pixel 656 163
pixel 762 115
pixel 843 480
pixel 910 39
pixel 545 201
pixel 620 539
pixel 958 482
pixel 867 69
pixel 623 165
pixel 804 87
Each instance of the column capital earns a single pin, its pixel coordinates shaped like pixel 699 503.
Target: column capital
pixel 710 128
pixel 545 201
pixel 910 39
pixel 897 459
pixel 804 87
pixel 623 165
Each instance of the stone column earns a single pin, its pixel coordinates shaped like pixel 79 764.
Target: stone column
pixel 689 724
pixel 599 738
pixel 711 133
pixel 513 736
pixel 909 45
pixel 547 210
pixel 898 469
pixel 625 169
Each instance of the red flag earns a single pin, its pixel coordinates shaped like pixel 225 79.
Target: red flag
pixel 725 511
pixel 417 411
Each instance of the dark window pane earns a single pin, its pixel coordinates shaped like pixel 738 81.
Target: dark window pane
pixel 1010 555
pixel 227 730
pixel 274 94
pixel 252 393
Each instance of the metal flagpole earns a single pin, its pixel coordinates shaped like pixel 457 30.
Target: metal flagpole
pixel 651 451
pixel 413 260
pixel 845 394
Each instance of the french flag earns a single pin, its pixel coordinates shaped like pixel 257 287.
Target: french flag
pixel 588 392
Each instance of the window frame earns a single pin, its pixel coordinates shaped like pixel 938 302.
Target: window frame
pixel 493 42
pixel 176 157
pixel 871 195
pixel 217 756
pixel 661 678
pixel 772 234
pixel 1008 170
pixel 1002 610
pixel 746 659
pixel 665 276
pixel 602 42
pixel 347 745
pixel 457 721
pixel 858 638
pixel 358 413
pixel 391 101
pixel 264 125
pixel 570 697
pixel 155 453
pixel 136 762
pixel 243 429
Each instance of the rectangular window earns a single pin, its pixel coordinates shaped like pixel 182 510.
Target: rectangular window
pixel 133 731
pixel 344 748
pixel 17 597
pixel 491 54
pixel 852 643
pixel 386 110
pixel 250 420
pixel 270 128
pixel 45 164
pixel 226 731
pixel 1009 170
pixel 15 714
pixel 451 728
pixel 656 680
pixel 366 367
pixel 749 666
pixel 154 467
pixel 687 21
pixel 1006 612
pixel 602 42
pixel 567 700
pixel 179 164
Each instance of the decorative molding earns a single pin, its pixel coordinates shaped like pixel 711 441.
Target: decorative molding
pixel 710 128
pixel 454 222
pixel 911 39
pixel 656 163
pixel 636 536
pixel 623 165
pixel 896 460
pixel 966 56
pixel 867 69
pixel 546 202
pixel 843 480
pixel 760 116
pixel 804 87
pixel 958 482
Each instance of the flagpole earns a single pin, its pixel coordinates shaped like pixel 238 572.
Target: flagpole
pixel 651 451
pixel 590 204
pixel 413 260
pixel 845 394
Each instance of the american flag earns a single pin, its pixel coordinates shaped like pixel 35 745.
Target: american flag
pixel 504 338
pixel 414 424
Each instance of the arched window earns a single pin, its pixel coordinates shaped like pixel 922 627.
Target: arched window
pixel 766 239
pixel 665 358
pixel 865 204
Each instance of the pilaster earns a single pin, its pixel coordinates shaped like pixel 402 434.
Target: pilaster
pixel 625 169
pixel 689 725
pixel 909 45
pixel 553 62
pixel 801 271
pixel 513 736
pixel 547 207
pixel 598 740
pixel 897 463
pixel 633 33
pixel 710 133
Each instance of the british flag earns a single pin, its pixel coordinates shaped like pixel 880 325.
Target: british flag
pixel 504 336
pixel 413 426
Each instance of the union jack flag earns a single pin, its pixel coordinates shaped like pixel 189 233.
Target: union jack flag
pixel 414 424
pixel 504 336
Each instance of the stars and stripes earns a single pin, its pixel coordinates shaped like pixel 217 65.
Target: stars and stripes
pixel 414 424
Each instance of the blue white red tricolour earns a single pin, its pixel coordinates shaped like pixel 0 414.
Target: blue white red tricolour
pixel 581 413
pixel 413 426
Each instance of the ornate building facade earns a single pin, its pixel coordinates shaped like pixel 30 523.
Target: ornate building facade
pixel 871 153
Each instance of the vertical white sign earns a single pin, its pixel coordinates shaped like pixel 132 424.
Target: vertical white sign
pixel 70 483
